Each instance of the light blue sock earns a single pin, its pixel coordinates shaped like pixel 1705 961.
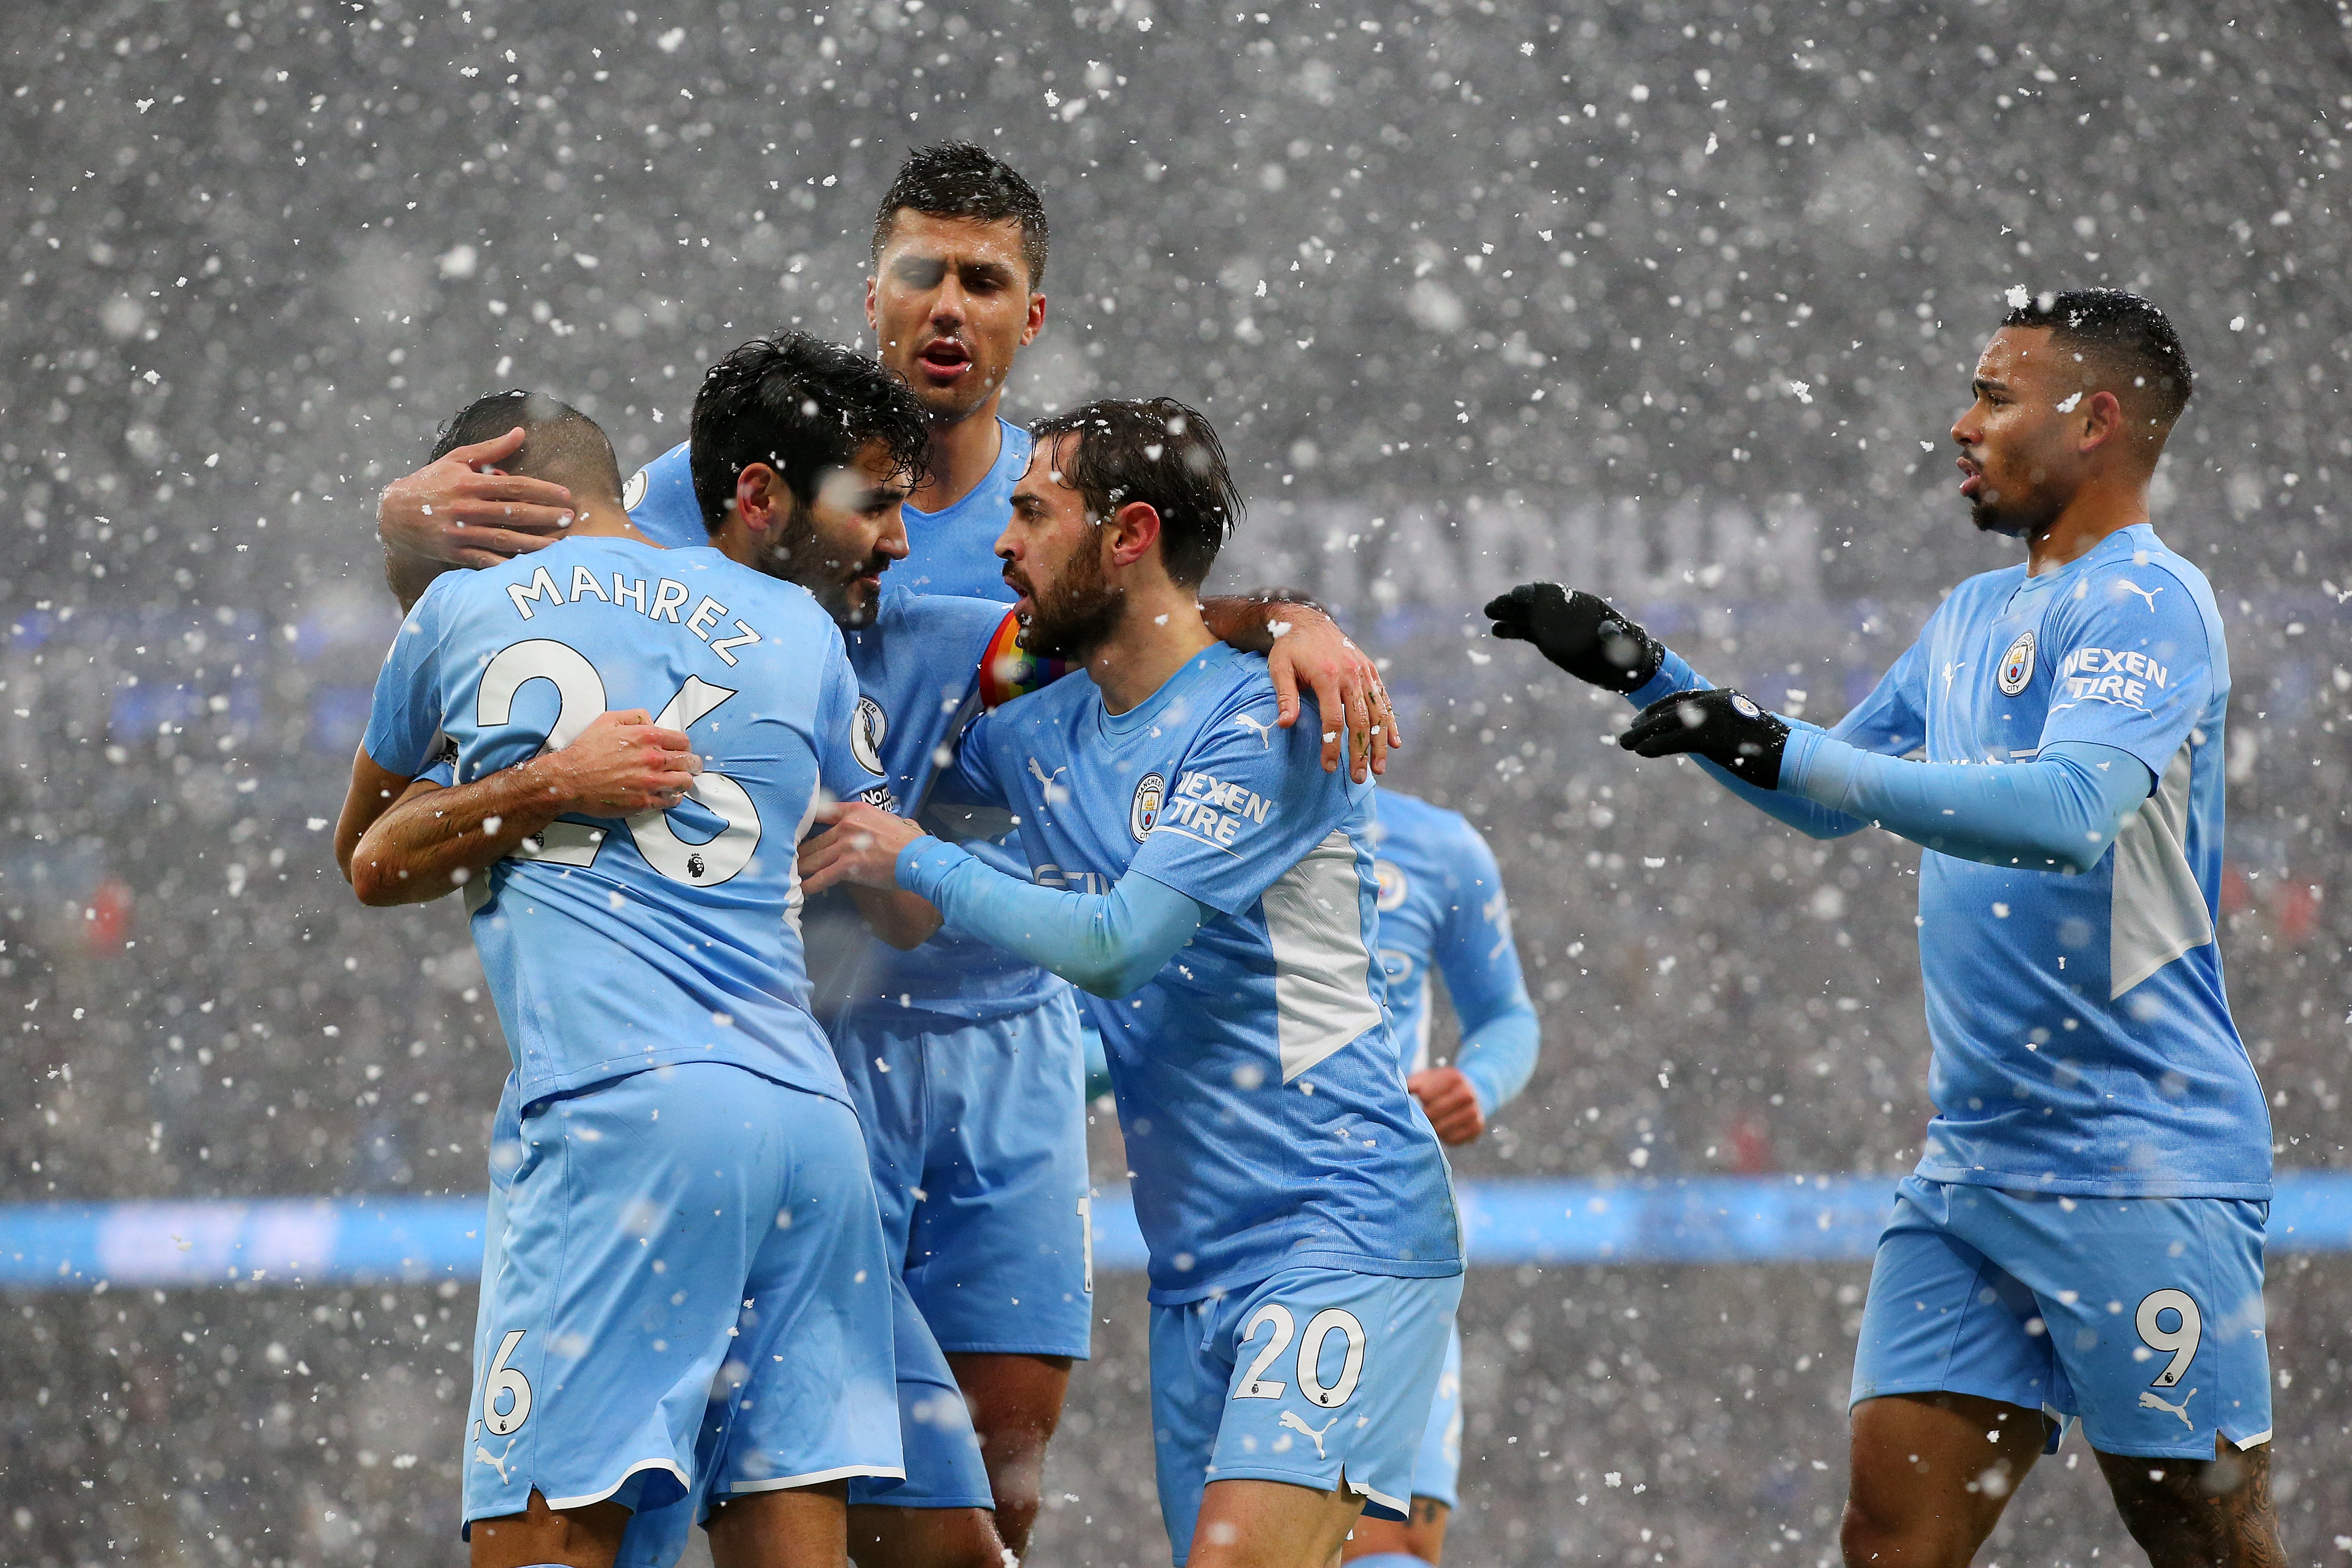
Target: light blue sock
pixel 1387 1560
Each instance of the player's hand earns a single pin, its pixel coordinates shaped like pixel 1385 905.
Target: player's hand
pixel 622 764
pixel 449 510
pixel 1450 1102
pixel 1722 726
pixel 861 845
pixel 1311 651
pixel 1580 632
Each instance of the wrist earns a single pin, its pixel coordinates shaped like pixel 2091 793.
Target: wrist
pixel 924 865
pixel 549 785
pixel 1817 766
pixel 1673 675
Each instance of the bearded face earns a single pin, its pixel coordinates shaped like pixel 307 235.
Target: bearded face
pixel 1074 612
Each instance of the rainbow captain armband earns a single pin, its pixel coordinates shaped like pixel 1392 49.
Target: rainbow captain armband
pixel 1008 671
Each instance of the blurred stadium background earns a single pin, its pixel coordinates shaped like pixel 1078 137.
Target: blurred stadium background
pixel 1674 300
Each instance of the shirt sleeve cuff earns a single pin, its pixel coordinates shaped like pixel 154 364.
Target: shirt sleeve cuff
pixel 927 863
pixel 1817 766
pixel 1674 674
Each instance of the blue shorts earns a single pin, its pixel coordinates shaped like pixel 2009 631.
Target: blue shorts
pixel 944 1469
pixel 1308 1377
pixel 684 1293
pixel 1438 1467
pixel 2140 1316
pixel 977 1133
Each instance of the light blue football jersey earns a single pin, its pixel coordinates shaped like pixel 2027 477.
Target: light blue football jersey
pixel 953 550
pixel 1442 907
pixel 2083 1041
pixel 614 945
pixel 925 667
pixel 1267 1125
pixel 919 667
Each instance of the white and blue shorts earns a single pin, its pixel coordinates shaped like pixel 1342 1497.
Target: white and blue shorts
pixel 1311 1376
pixel 683 1294
pixel 2141 1317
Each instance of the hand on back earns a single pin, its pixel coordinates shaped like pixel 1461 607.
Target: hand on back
pixel 622 764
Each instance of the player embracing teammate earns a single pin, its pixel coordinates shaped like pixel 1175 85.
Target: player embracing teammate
pixel 1211 889
pixel 2083 1237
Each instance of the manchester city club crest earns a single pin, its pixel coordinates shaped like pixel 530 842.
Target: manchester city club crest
pixel 634 491
pixel 1393 887
pixel 866 730
pixel 1143 811
pixel 2016 670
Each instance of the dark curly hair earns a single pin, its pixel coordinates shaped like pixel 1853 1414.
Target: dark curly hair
pixel 1158 451
pixel 801 406
pixel 2124 343
pixel 958 180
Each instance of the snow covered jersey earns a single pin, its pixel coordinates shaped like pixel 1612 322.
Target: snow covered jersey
pixel 1267 1125
pixel 615 946
pixel 2083 1041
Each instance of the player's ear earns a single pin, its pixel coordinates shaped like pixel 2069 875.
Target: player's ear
pixel 872 317
pixel 1134 530
pixel 2103 420
pixel 1036 319
pixel 758 490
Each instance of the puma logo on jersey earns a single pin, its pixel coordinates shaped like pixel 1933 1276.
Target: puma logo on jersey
pixel 2157 1402
pixel 1291 1421
pixel 2147 593
pixel 1043 778
pixel 1265 732
pixel 498 1461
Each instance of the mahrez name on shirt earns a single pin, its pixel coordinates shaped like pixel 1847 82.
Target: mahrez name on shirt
pixel 667 597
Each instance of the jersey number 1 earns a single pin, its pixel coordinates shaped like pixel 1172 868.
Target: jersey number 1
pixel 580 694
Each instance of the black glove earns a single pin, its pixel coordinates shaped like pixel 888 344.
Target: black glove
pixel 1579 632
pixel 1721 726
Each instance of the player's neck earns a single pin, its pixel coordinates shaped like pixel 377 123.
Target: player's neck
pixel 1160 630
pixel 960 457
pixel 605 519
pixel 2105 504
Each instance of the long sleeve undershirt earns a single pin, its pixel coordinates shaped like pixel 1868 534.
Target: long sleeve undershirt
pixel 1105 944
pixel 1498 1053
pixel 2056 813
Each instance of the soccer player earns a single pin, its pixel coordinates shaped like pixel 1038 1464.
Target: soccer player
pixel 1442 907
pixel 2083 1237
pixel 684 1292
pixel 963 1059
pixel 1209 885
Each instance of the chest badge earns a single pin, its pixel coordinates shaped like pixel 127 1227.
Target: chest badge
pixel 633 494
pixel 1143 811
pixel 2016 672
pixel 1392 887
pixel 866 730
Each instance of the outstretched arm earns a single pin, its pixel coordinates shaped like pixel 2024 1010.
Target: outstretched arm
pixel 2058 812
pixel 1105 943
pixel 1303 645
